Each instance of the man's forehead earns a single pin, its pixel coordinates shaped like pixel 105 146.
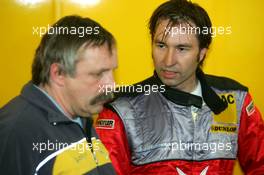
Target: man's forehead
pixel 164 25
pixel 179 31
pixel 102 51
pixel 97 56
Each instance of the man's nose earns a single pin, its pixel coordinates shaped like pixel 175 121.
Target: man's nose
pixel 169 59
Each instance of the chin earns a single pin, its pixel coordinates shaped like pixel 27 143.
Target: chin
pixel 169 82
pixel 97 109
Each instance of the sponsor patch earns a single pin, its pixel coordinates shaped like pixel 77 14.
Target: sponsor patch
pixel 229 115
pixel 250 108
pixel 222 128
pixel 105 124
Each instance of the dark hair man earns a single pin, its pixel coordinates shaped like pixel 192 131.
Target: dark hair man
pixel 47 129
pixel 199 124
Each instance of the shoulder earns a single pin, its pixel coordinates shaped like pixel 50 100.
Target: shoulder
pixel 13 111
pixel 18 131
pixel 19 118
pixel 224 83
pixel 16 127
pixel 19 110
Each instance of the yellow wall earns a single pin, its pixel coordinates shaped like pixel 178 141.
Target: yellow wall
pixel 237 55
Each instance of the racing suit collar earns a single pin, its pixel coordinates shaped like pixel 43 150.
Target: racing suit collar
pixel 212 100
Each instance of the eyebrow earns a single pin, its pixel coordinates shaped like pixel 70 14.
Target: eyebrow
pixel 105 69
pixel 158 41
pixel 184 45
pixel 187 45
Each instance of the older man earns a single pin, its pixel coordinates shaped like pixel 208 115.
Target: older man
pixel 47 129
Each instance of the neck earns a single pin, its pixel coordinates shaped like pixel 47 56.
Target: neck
pixel 188 85
pixel 58 97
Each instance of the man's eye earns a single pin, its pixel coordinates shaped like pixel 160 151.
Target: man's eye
pixel 98 74
pixel 181 49
pixel 160 45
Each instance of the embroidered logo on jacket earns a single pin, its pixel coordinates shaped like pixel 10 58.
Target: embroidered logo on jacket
pixel 250 108
pixel 222 128
pixel 105 124
pixel 204 172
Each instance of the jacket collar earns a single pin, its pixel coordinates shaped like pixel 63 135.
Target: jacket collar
pixel 210 97
pixel 40 100
pixel 213 101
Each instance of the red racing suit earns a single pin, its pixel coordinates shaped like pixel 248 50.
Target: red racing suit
pixel 144 133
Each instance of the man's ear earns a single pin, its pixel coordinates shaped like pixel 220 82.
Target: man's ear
pixel 57 76
pixel 202 54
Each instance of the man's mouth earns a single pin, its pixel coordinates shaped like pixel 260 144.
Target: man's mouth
pixel 168 74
